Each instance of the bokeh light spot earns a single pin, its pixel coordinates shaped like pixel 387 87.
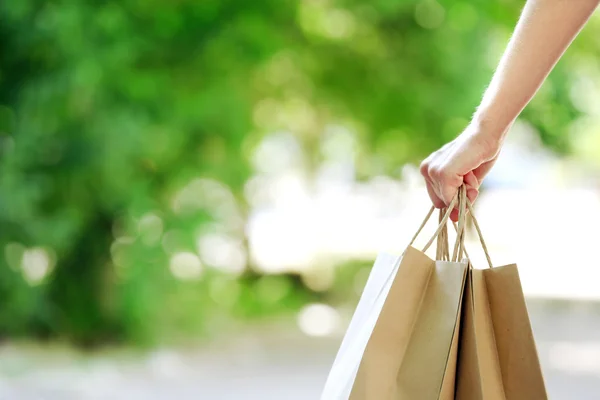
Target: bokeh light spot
pixel 36 264
pixel 185 266
pixel 319 279
pixel 150 228
pixel 429 14
pixel 118 250
pixel 318 320
pixel 278 152
pixel 222 252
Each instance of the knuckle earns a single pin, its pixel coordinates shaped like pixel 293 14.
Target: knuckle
pixel 436 172
pixel 424 168
pixel 443 174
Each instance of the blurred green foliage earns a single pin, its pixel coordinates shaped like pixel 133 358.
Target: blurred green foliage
pixel 109 109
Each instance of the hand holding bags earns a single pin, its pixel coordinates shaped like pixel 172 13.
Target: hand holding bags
pixel 431 330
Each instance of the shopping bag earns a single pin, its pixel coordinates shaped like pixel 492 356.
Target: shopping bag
pixel 498 359
pixel 344 369
pixel 403 338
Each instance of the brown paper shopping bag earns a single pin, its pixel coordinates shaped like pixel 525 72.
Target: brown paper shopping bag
pixel 405 345
pixel 497 359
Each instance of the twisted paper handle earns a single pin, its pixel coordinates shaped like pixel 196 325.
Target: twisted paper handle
pixel 459 247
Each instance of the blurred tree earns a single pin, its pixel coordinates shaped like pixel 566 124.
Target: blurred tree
pixel 129 126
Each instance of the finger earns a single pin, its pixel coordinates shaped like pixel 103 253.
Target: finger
pixel 444 182
pixel 449 185
pixel 424 168
pixel 472 185
pixel 471 180
pixel 437 202
pixel 472 195
pixel 454 215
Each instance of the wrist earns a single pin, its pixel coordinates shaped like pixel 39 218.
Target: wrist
pixel 491 124
pixel 489 128
pixel 487 137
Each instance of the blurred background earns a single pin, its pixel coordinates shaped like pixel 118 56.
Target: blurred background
pixel 192 192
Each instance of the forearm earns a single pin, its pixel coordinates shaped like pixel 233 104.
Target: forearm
pixel 544 31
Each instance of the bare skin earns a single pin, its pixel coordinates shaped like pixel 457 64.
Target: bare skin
pixel 545 30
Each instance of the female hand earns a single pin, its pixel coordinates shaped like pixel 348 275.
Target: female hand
pixel 467 159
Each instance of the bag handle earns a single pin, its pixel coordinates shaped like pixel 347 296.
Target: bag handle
pixel 476 224
pixel 431 210
pixel 442 224
pixel 459 246
pixel 443 251
pixel 460 230
pixel 440 227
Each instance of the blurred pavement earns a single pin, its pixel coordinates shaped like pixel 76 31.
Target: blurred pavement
pixel 273 363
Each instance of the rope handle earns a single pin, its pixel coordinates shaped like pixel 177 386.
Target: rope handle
pixel 442 224
pixel 443 251
pixel 469 206
pixel 478 229
pixel 459 247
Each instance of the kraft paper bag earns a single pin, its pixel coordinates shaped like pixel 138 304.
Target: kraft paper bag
pixel 409 354
pixel 402 342
pixel 498 359
pixel 479 375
